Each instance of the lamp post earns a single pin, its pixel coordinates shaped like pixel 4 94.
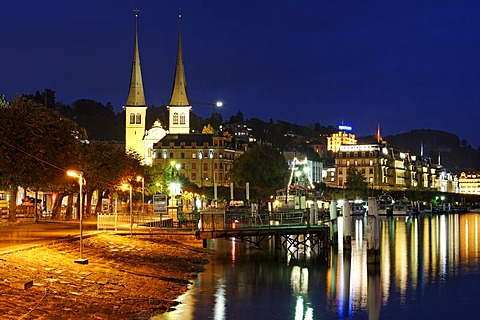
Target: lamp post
pixel 143 192
pixel 79 175
pixel 124 187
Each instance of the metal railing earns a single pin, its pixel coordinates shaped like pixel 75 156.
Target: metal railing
pixel 244 218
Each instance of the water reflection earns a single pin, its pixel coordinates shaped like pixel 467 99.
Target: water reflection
pixel 428 268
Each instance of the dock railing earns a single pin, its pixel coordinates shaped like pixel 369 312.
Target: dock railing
pixel 219 220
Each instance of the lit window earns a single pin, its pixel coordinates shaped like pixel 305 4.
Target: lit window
pixel 138 118
pixel 182 118
pixel 132 118
pixel 175 118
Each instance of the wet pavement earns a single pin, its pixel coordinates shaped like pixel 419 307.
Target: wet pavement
pixel 25 234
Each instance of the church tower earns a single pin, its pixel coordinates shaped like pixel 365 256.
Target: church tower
pixel 135 108
pixel 179 107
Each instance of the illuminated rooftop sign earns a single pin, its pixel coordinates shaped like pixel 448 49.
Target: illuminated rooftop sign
pixel 344 128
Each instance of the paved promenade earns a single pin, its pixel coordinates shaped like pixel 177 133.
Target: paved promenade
pixel 127 277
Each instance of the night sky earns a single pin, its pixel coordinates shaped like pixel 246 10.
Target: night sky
pixel 404 64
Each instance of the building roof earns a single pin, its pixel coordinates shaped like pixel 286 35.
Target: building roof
pixel 179 91
pixel 136 96
pixel 187 138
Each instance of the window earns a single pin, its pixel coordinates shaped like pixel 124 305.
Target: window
pixel 182 155
pixel 194 176
pixel 205 167
pixel 138 118
pixel 132 118
pixel 175 118
pixel 194 166
pixel 182 118
pixel 194 155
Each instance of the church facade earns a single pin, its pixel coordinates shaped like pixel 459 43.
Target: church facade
pixel 204 159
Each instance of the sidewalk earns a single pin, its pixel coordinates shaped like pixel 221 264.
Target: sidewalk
pixel 127 277
pixel 25 233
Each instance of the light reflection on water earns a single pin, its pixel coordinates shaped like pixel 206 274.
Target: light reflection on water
pixel 428 268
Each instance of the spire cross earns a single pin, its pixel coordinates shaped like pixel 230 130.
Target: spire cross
pixel 136 12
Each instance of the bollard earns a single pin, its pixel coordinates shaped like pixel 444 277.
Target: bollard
pixel 347 222
pixel 333 222
pixel 373 241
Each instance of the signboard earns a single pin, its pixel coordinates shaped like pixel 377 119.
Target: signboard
pixel 160 203
pixel 105 205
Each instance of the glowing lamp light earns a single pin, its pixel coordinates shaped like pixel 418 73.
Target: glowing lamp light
pixel 219 104
pixel 198 203
pixel 175 188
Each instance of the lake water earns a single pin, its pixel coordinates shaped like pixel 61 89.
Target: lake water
pixel 429 269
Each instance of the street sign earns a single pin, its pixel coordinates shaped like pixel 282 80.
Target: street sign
pixel 160 203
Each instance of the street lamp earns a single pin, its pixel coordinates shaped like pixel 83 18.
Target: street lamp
pixel 79 175
pixel 143 192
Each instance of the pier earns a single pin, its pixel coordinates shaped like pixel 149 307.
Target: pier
pixel 291 230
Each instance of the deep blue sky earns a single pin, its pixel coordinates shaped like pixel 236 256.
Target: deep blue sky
pixel 404 64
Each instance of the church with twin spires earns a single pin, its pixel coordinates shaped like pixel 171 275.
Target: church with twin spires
pixel 204 159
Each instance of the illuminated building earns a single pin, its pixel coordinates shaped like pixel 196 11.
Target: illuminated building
pixel 342 137
pixel 385 167
pixel 204 159
pixel 469 183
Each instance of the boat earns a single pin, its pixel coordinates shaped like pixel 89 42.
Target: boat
pixel 402 207
pixel 384 205
pixel 358 208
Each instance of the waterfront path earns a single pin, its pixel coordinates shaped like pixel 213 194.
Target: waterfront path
pixel 127 277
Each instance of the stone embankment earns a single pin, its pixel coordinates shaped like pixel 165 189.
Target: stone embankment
pixel 127 277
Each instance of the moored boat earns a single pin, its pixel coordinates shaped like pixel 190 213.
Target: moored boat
pixel 402 207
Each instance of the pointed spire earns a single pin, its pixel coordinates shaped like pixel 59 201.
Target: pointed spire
pixel 439 158
pixel 379 137
pixel 179 92
pixel 421 148
pixel 136 96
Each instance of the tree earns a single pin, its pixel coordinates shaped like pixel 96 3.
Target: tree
pixel 36 144
pixel 98 119
pixel 237 118
pixel 356 183
pixel 263 167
